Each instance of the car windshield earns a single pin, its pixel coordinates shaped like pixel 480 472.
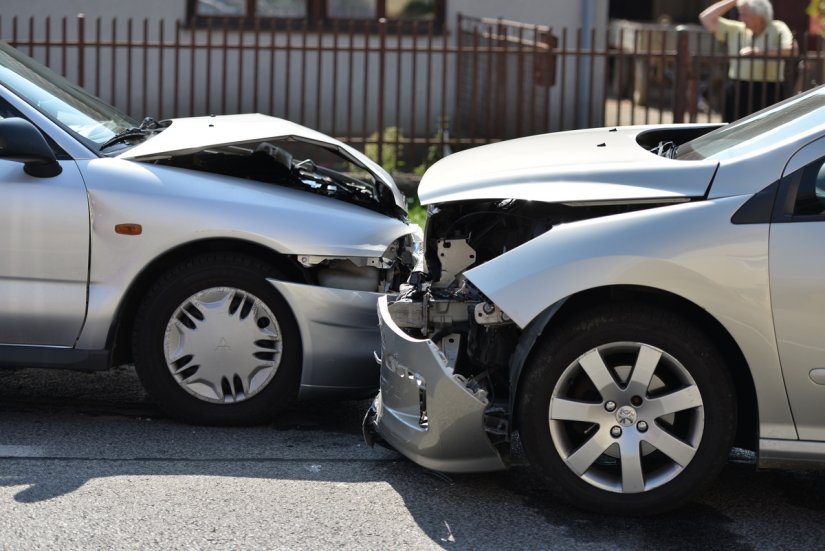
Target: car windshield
pixel 765 127
pixel 92 121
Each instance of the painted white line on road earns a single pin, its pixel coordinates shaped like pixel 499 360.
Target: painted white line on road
pixel 22 451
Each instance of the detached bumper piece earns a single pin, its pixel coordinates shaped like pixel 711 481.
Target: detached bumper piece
pixel 424 410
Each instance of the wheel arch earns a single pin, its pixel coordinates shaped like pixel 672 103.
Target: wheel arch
pixel 747 430
pixel 119 338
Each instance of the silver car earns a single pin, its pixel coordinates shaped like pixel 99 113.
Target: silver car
pixel 633 302
pixel 236 260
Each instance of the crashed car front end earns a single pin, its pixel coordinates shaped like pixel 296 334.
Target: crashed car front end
pixel 451 356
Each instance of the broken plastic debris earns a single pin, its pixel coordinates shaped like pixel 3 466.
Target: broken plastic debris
pixel 450 538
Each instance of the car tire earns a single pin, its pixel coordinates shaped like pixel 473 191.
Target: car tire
pixel 627 409
pixel 214 343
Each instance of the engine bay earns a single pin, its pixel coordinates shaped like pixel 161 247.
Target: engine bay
pixel 295 164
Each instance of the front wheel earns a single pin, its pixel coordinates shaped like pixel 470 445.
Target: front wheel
pixel 627 410
pixel 215 343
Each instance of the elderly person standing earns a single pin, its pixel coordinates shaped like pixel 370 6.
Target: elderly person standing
pixel 756 43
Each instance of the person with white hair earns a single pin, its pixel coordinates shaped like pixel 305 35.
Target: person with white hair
pixel 756 44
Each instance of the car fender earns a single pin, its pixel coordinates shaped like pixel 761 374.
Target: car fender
pixel 176 207
pixel 691 250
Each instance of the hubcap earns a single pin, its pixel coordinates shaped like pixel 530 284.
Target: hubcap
pixel 223 345
pixel 626 417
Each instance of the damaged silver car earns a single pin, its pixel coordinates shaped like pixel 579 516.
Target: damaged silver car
pixel 236 260
pixel 632 302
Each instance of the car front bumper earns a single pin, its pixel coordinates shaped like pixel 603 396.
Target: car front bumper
pixel 338 335
pixel 424 410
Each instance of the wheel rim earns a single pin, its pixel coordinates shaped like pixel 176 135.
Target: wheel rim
pixel 626 417
pixel 223 345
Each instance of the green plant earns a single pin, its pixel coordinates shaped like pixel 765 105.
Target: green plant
pixel 435 152
pixel 416 213
pixel 391 150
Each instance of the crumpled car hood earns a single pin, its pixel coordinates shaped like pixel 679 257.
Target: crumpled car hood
pixel 193 134
pixel 594 165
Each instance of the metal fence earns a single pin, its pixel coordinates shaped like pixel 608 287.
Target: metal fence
pixel 405 95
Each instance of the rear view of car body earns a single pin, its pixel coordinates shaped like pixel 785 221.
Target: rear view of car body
pixel 533 244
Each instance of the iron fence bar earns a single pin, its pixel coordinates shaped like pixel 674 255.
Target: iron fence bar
pixel 161 32
pixel 98 40
pixel 256 64
pixel 519 81
pixel 443 113
pixel 590 80
pixel 303 94
pixel 535 60
pixel 31 34
pixel 471 130
pixel 578 71
pixel 350 79
pixel 680 80
pixel 490 120
pixel 398 84
pixel 64 51
pixel 48 35
pixel 144 99
pixel 113 61
pixel 335 50
pixel 272 65
pixel 550 65
pixel 663 76
pixel 224 53
pixel 129 42
pixel 176 72
pixel 563 88
pixel 288 63
pixel 208 75
pixel 382 71
pixel 413 81
pixel 365 99
pixel 429 80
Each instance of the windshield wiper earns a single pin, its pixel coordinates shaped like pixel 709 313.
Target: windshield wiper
pixel 665 149
pixel 147 127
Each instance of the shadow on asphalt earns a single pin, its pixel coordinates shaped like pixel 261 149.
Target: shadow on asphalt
pixel 320 442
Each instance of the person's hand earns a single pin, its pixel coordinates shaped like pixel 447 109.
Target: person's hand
pixel 749 51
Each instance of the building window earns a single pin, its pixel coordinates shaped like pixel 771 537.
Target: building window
pixel 401 15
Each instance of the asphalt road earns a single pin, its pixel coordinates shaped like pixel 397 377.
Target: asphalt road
pixel 87 463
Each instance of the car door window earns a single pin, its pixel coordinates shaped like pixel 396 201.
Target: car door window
pixel 810 195
pixel 7 111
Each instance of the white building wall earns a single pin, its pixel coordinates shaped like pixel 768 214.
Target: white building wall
pixel 155 9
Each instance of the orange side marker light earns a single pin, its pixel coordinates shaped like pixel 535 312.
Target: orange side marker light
pixel 129 229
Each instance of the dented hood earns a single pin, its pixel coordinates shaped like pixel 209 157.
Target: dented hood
pixel 595 165
pixel 190 135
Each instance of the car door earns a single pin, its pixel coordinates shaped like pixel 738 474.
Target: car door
pixel 44 254
pixel 797 274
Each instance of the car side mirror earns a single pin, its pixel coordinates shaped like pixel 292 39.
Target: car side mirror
pixel 21 141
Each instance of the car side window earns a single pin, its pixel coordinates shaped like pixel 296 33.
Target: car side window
pixel 7 110
pixel 810 196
